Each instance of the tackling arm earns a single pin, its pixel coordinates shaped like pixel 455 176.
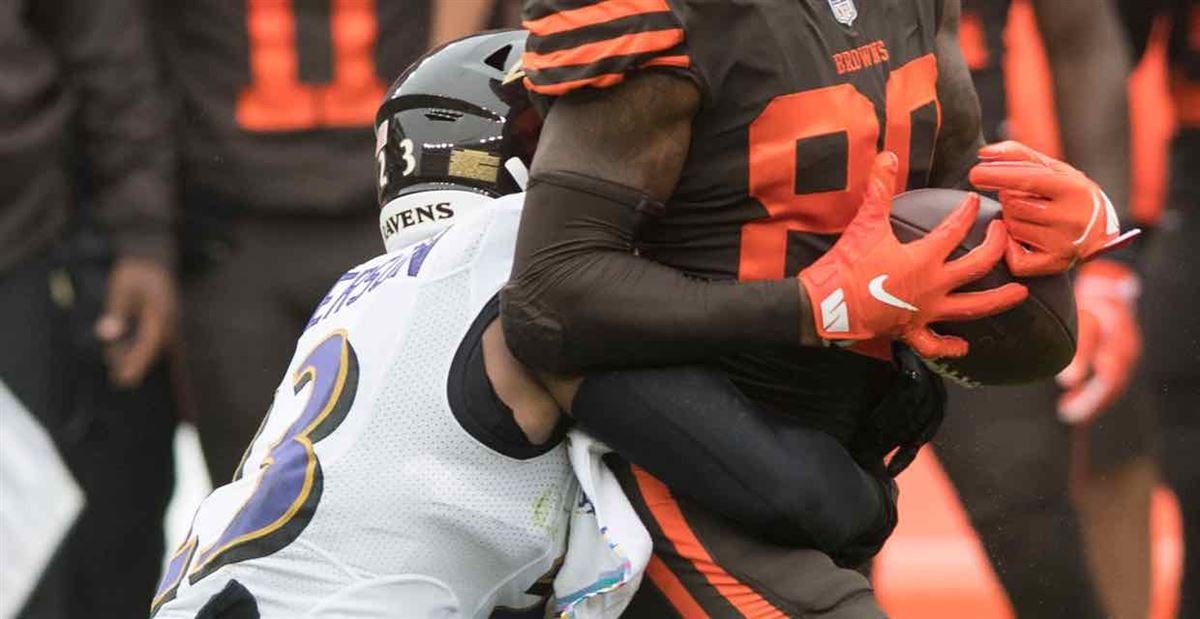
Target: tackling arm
pixel 791 484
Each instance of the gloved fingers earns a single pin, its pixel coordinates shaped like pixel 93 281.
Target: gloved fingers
pixel 975 305
pixel 1082 403
pixel 1007 175
pixel 1020 207
pixel 980 260
pixel 1025 262
pixel 933 346
pixel 1033 235
pixel 877 201
pixel 1086 342
pixel 1108 381
pixel 953 229
pixel 1010 150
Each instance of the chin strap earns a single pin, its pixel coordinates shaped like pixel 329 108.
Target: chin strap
pixel 520 174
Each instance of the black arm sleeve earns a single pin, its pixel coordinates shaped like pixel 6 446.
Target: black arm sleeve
pixel 580 299
pixel 693 429
pixel 122 118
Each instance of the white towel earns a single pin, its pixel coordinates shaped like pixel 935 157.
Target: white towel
pixel 39 501
pixel 608 546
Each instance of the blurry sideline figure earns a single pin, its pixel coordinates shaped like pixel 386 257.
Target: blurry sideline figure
pixel 87 299
pixel 275 103
pixel 1172 299
pixel 1015 454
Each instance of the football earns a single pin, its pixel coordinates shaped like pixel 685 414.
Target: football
pixel 1030 342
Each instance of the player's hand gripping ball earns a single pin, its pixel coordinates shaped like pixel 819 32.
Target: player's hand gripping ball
pixel 1030 341
pixel 1056 215
pixel 872 284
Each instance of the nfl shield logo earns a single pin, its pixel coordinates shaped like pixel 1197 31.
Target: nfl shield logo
pixel 844 11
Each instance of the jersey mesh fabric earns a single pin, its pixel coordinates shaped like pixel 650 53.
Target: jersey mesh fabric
pixel 406 491
pixel 441 504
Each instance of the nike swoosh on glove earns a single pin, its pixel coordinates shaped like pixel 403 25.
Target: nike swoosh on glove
pixel 869 285
pixel 1109 344
pixel 1056 215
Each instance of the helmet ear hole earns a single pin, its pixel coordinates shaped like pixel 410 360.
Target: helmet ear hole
pixel 499 58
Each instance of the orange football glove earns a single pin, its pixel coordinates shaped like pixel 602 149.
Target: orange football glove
pixel 1056 215
pixel 1110 341
pixel 869 285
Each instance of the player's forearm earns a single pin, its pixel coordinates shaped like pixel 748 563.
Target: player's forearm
pixel 789 483
pixel 580 299
pixel 1090 64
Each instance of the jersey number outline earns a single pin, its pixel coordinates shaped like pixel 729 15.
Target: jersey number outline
pixel 290 480
pixel 837 119
pixel 276 100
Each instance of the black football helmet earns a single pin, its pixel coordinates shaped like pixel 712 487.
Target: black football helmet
pixel 456 117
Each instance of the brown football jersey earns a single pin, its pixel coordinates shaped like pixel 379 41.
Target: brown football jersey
pixel 798 97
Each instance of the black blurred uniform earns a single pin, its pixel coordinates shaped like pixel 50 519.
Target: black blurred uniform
pixel 1016 497
pixel 80 102
pixel 795 106
pixel 276 103
pixel 983 23
pixel 1172 280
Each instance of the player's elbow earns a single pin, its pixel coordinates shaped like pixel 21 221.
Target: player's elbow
pixel 532 324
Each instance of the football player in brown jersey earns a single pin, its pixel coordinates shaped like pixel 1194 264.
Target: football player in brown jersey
pixel 699 164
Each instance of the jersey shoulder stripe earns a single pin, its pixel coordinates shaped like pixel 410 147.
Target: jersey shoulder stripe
pixel 595 43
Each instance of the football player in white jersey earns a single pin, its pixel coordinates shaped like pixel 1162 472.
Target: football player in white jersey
pixel 410 466
pixel 389 478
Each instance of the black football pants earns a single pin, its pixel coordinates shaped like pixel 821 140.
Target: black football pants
pixel 1009 458
pixel 1171 306
pixel 116 443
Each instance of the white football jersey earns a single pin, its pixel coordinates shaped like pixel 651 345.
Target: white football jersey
pixel 362 495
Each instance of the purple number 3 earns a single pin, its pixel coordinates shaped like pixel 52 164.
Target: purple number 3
pixel 290 482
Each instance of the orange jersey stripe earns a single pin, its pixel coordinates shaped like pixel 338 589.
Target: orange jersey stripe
pixel 674 525
pixel 1151 124
pixel 598 13
pixel 973 42
pixel 670 586
pixel 636 43
pixel 669 61
pixel 1186 94
pixel 603 80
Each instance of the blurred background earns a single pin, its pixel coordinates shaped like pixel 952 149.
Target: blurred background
pixel 180 181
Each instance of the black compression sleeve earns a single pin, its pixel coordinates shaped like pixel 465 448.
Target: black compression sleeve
pixel 579 299
pixel 695 431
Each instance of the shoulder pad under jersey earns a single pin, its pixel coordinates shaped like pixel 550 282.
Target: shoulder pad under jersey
pixel 577 44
